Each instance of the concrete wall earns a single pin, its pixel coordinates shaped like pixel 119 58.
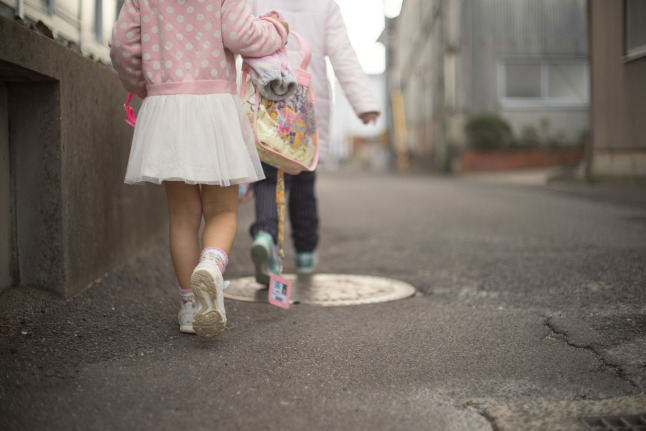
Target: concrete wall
pixel 71 217
pixel 618 98
pixel 5 195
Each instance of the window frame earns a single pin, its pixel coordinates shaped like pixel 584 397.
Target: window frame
pixel 630 53
pixel 98 21
pixel 544 101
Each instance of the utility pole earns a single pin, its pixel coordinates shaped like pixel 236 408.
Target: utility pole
pixel 441 147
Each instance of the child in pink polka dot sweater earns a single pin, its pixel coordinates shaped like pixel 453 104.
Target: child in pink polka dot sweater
pixel 191 133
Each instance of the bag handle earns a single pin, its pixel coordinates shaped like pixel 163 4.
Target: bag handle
pixel 306 51
pixel 243 90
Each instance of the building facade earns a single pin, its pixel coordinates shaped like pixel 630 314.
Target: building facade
pixel 617 148
pixel 84 24
pixel 525 60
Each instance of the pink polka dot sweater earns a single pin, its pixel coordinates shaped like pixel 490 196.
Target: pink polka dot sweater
pixel 163 47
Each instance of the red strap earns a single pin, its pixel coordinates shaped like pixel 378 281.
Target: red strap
pixel 130 113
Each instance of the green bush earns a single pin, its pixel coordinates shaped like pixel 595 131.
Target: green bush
pixel 488 132
pixel 529 137
pixel 584 135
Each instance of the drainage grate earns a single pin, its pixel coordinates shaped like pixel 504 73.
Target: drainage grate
pixel 616 423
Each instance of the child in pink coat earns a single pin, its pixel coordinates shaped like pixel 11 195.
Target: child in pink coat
pixel 178 55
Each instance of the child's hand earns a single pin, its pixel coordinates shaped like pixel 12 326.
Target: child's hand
pixel 369 117
pixel 284 23
pixel 245 193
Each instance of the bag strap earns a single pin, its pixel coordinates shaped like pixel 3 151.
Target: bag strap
pixel 243 89
pixel 306 51
pixel 243 82
pixel 130 113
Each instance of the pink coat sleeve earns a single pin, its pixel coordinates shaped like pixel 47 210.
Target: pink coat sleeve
pixel 243 33
pixel 345 63
pixel 125 49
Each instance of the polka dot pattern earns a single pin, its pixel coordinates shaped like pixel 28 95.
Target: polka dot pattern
pixel 186 40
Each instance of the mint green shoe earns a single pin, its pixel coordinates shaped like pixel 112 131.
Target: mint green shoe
pixel 265 257
pixel 306 262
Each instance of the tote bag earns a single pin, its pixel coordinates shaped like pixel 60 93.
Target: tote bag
pixel 285 131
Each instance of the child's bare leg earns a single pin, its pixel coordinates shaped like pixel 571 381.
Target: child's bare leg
pixel 220 208
pixel 185 214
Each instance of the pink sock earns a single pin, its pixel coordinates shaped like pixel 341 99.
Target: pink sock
pixel 216 255
pixel 187 295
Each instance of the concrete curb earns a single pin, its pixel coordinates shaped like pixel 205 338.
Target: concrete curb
pixel 562 415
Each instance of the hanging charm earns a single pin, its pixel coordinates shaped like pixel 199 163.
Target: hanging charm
pixel 279 287
pixel 280 207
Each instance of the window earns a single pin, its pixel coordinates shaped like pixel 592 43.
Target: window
pixel 566 81
pixel 71 7
pixel 635 30
pixel 528 83
pixel 48 6
pixel 105 14
pixel 523 80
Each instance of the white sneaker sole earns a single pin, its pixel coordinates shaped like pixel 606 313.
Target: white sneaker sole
pixel 209 321
pixel 185 319
pixel 187 329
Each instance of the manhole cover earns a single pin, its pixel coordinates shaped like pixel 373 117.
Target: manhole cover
pixel 616 423
pixel 326 289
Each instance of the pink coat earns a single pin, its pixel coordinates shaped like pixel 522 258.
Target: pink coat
pixel 161 47
pixel 321 24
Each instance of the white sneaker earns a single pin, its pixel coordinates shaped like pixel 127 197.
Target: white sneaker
pixel 187 313
pixel 185 316
pixel 208 287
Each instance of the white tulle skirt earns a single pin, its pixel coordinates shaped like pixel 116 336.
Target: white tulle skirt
pixel 198 139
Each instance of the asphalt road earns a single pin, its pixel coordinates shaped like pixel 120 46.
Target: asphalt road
pixel 530 313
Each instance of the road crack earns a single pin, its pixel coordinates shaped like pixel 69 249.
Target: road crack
pixel 481 409
pixel 614 368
